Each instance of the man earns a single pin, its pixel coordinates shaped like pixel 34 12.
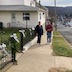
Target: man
pixel 39 32
pixel 49 29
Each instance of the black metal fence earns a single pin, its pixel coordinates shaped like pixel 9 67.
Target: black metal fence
pixel 4 60
pixel 29 34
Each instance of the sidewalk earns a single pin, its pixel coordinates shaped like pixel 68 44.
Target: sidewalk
pixel 39 58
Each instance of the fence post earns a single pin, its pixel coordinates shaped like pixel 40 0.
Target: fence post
pixel 22 35
pixel 13 47
pixel 13 50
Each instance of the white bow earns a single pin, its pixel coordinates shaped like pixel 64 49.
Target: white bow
pixel 3 47
pixel 22 31
pixel 15 37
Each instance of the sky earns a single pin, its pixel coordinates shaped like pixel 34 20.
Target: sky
pixel 60 3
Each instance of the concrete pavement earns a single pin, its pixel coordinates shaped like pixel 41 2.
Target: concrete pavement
pixel 39 58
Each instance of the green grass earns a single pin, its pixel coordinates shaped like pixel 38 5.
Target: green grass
pixel 5 38
pixel 56 33
pixel 60 46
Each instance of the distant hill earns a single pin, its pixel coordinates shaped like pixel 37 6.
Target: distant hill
pixel 60 10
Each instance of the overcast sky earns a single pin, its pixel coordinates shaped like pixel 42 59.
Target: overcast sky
pixel 58 2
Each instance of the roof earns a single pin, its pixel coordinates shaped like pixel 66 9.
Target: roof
pixel 43 8
pixel 17 8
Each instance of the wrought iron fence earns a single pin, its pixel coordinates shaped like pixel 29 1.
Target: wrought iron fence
pixel 6 58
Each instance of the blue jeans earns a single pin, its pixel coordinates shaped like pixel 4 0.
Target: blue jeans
pixel 49 37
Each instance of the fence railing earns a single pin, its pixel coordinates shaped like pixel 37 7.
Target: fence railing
pixel 4 59
pixel 29 34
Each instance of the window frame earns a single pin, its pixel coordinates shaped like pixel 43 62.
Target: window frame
pixel 26 16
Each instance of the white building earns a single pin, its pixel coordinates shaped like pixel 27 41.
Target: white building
pixel 22 13
pixel 18 2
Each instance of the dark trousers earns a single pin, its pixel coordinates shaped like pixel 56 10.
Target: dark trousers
pixel 39 39
pixel 13 55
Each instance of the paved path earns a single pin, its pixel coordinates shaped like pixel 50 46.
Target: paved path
pixel 39 59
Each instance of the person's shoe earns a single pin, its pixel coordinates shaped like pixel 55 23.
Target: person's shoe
pixel 37 42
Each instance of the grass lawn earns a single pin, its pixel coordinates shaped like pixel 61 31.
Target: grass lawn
pixel 5 38
pixel 60 46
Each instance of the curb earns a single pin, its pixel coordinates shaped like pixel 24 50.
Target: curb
pixel 29 44
pixel 25 47
pixel 6 67
pixel 66 41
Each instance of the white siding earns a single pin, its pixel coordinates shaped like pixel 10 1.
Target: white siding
pixel 30 23
pixel 27 2
pixel 41 17
pixel 18 2
pixel 34 19
pixel 11 2
pixel 5 17
pixel 32 3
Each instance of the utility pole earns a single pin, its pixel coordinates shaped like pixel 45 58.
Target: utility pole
pixel 55 15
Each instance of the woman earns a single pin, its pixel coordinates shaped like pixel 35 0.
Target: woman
pixel 49 29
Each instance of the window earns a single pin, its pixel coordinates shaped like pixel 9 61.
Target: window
pixel 13 15
pixel 40 15
pixel 26 16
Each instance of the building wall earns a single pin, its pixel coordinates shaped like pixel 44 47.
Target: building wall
pixel 30 23
pixel 11 2
pixel 27 2
pixel 32 3
pixel 6 18
pixel 42 18
pixel 18 2
pixel 34 19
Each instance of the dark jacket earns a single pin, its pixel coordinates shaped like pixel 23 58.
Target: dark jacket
pixel 39 30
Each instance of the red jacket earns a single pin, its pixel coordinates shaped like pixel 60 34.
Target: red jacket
pixel 49 28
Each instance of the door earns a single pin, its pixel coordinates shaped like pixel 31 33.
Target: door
pixel 13 21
